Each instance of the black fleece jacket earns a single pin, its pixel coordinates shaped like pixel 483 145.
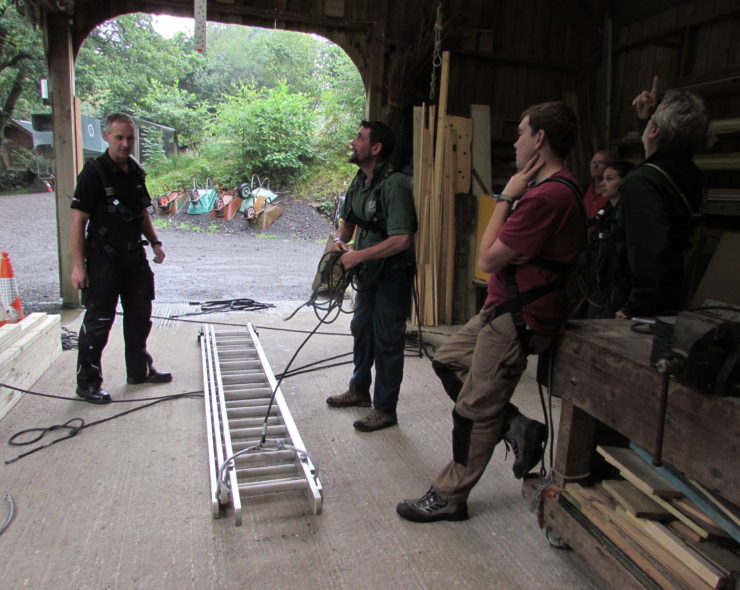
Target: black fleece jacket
pixel 657 227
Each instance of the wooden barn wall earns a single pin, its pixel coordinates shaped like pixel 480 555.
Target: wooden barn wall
pixel 682 53
pixel 694 46
pixel 511 54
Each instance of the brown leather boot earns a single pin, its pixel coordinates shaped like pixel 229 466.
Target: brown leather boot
pixel 376 420
pixel 348 399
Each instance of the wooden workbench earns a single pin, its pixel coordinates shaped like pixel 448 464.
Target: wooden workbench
pixel 602 372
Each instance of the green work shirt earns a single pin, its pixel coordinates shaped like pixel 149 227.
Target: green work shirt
pixel 392 192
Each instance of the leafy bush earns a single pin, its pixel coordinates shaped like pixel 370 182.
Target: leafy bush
pixel 268 130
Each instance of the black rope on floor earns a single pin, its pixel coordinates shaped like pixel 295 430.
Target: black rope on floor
pixel 225 305
pixel 74 425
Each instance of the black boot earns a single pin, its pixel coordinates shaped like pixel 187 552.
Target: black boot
pixel 527 439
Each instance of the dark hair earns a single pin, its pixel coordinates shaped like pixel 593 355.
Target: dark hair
pixel 117 118
pixel 382 134
pixel 559 123
pixel 621 166
pixel 682 119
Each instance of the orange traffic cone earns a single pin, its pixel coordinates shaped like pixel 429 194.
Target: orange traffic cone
pixel 9 291
pixel 3 312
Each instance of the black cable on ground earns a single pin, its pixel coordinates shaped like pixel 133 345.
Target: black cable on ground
pixel 75 425
pixel 69 339
pixel 11 513
pixel 224 305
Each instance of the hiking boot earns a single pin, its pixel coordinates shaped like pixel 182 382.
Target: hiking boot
pixel 349 398
pixel 376 420
pixel 431 507
pixel 527 439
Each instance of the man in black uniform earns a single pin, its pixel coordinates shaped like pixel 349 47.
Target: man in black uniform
pixel 111 200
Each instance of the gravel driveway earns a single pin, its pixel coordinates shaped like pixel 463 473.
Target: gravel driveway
pixel 206 259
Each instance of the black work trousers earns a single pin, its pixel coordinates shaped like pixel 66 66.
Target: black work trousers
pixel 379 330
pixel 127 275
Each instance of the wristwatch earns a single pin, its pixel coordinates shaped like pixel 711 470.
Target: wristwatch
pixel 508 198
pixel 155 243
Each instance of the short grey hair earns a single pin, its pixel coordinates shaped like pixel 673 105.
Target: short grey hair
pixel 682 119
pixel 117 118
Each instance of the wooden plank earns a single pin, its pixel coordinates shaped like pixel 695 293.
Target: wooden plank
pixel 481 150
pixel 694 512
pixel 625 538
pixel 729 161
pixel 463 129
pixel 439 172
pixel 679 482
pixel 635 501
pixel 11 333
pixel 30 356
pixel 665 538
pixel 722 558
pixel 639 530
pixel 685 532
pixel 447 242
pixel 720 503
pixel 486 207
pixel 639 473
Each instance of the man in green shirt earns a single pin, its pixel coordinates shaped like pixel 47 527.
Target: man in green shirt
pixel 379 212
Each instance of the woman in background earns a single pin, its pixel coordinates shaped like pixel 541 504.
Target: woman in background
pixel 607 289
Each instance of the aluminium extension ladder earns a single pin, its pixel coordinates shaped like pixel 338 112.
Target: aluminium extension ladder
pixel 238 384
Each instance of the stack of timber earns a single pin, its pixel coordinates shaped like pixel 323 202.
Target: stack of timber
pixel 442 170
pixel 661 536
pixel 27 350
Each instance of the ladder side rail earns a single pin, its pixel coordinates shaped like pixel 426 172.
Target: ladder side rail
pixel 212 463
pixel 215 412
pixel 228 449
pixel 295 438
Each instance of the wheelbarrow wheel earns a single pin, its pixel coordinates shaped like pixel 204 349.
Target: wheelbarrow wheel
pixel 244 190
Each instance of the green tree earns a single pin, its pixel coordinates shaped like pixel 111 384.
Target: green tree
pixel 238 55
pixel 342 102
pixel 22 64
pixel 266 131
pixel 176 108
pixel 122 59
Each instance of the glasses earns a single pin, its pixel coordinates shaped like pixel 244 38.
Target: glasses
pixel 598 162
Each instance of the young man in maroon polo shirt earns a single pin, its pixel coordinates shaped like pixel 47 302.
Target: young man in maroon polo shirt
pixel 535 235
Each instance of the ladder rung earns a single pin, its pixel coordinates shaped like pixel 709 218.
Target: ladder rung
pixel 256 421
pixel 259 392
pixel 268 470
pixel 273 485
pixel 250 411
pixel 242 433
pixel 262 457
pixel 241 377
pixel 239 407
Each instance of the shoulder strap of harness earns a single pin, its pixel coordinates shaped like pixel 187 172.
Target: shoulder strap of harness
pixel 675 188
pixel 114 205
pixel 516 301
pixel 378 222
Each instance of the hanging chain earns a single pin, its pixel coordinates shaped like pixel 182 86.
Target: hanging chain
pixel 437 55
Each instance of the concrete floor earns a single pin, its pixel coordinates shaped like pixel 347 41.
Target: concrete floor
pixel 124 504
